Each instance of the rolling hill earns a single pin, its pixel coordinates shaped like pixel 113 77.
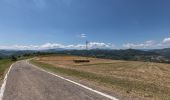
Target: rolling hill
pixel 157 55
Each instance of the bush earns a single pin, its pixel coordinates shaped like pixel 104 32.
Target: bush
pixel 13 58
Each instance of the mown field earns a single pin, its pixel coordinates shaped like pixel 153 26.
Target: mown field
pixel 142 80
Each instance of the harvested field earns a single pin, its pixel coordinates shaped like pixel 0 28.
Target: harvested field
pixel 129 78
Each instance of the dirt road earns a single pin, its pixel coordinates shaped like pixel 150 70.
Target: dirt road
pixel 25 82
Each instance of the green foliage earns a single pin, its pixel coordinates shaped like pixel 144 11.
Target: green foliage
pixel 13 58
pixel 129 54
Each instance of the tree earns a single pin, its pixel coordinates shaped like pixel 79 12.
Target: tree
pixel 13 58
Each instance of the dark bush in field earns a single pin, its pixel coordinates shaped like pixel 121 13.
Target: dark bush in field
pixel 13 58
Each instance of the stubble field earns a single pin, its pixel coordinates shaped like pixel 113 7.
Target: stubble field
pixel 138 80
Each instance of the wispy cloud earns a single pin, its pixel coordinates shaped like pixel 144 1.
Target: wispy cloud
pixel 149 44
pixel 91 45
pixel 83 35
pixel 101 45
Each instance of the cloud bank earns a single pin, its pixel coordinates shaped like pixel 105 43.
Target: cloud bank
pixel 151 44
pixel 148 44
pixel 91 45
pixel 166 41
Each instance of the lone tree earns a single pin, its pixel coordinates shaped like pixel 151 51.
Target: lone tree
pixel 13 58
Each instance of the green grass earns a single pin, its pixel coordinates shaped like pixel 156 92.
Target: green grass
pixel 150 89
pixel 4 65
pixel 23 58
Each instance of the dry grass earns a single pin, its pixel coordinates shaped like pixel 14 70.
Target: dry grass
pixel 141 79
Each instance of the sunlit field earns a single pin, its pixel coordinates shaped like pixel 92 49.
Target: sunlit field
pixel 128 78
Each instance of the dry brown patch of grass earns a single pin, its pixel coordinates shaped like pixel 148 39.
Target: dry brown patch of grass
pixel 142 79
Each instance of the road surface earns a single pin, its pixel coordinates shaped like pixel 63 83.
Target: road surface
pixel 25 82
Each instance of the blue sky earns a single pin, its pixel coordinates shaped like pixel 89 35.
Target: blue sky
pixel 114 24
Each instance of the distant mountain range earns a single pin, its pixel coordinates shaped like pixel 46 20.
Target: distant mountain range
pixel 8 53
pixel 163 52
pixel 157 55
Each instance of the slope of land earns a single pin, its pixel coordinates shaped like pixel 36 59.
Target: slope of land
pixel 129 78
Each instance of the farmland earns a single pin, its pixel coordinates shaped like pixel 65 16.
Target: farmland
pixel 144 80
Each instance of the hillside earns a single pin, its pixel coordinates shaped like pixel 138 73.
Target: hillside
pixel 129 54
pixel 158 55
pixel 9 53
pixel 143 80
pixel 164 52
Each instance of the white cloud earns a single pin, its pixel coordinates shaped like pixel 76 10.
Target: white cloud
pixel 50 45
pixel 18 47
pixel 83 35
pixel 166 41
pixel 91 45
pixel 147 44
pixel 100 45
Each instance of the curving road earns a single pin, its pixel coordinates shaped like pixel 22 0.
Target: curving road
pixel 26 82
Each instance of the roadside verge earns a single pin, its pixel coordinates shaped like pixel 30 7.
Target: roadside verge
pixel 78 84
pixel 4 68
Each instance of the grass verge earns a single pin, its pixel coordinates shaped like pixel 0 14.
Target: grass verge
pixel 4 65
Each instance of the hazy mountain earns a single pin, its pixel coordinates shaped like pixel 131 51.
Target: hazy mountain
pixel 164 52
pixel 8 53
pixel 158 55
pixel 53 50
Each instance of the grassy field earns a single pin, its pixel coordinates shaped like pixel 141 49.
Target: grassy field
pixel 4 65
pixel 128 78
